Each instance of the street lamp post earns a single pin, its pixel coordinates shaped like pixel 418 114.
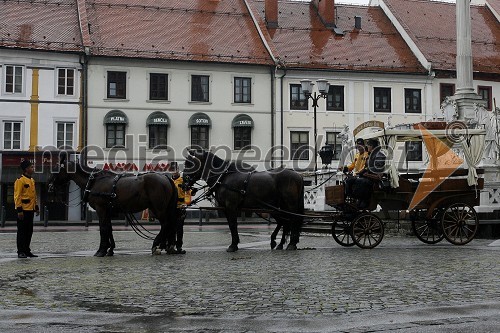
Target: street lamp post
pixel 306 86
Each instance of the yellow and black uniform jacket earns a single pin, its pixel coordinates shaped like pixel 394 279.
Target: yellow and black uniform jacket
pixel 183 197
pixel 359 162
pixel 25 194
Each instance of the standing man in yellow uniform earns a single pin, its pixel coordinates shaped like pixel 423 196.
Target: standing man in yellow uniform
pixel 26 207
pixel 183 200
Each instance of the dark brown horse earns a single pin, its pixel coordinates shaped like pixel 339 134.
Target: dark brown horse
pixel 106 191
pixel 236 186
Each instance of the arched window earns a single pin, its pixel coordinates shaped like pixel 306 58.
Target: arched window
pixel 116 122
pixel 157 123
pixel 200 125
pixel 242 127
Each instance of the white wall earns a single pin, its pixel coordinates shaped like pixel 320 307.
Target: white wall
pixel 179 109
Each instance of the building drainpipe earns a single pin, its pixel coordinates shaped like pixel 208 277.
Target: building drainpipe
pixel 83 155
pixel 281 112
pixel 273 114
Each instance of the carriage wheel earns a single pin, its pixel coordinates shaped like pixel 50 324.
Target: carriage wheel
pixel 429 231
pixel 367 231
pixel 341 232
pixel 460 223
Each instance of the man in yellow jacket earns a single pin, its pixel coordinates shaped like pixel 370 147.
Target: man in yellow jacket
pixel 183 200
pixel 26 207
pixel 360 158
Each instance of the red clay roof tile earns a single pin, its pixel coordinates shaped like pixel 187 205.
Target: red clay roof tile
pixel 431 25
pixel 46 25
pixel 199 30
pixel 301 39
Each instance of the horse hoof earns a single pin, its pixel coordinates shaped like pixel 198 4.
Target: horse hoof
pixel 171 250
pixel 291 247
pixel 232 248
pixel 110 253
pixel 100 253
pixel 156 251
pixel 273 244
pixel 279 247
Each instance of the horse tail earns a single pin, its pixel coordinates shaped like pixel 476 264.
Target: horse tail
pixel 172 204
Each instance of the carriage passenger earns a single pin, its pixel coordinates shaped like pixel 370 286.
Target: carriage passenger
pixel 361 187
pixel 183 200
pixel 360 158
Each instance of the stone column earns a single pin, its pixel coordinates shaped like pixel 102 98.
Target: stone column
pixel 464 95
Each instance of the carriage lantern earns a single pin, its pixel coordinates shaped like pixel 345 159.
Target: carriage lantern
pixel 306 86
pixel 326 154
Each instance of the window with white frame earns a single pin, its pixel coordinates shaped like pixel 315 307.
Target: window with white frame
pixel 382 99
pixel 65 135
pixel 333 141
pixel 299 145
pixel 242 90
pixel 413 101
pixel 117 85
pixel 66 81
pixel 13 79
pixel 12 135
pixel 200 88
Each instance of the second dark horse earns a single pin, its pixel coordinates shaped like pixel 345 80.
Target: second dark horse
pixel 236 186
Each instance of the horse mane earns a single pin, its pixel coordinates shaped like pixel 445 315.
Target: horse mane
pixel 222 165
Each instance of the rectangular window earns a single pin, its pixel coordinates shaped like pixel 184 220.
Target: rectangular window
pixel 446 90
pixel 13 79
pixel 199 88
pixel 299 145
pixel 199 137
pixel 11 135
pixel 65 135
pixel 158 86
pixel 65 81
pixel 117 85
pixel 413 101
pixel 115 135
pixel 298 100
pixel 485 93
pixel 242 90
pixel 382 99
pixel 336 143
pixel 242 138
pixel 413 151
pixel 335 99
pixel 157 136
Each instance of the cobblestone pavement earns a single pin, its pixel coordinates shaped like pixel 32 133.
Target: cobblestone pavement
pixel 401 286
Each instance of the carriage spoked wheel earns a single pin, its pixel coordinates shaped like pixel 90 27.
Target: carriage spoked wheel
pixel 341 232
pixel 460 223
pixel 429 231
pixel 367 231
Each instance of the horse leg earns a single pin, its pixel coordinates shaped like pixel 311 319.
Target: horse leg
pixel 232 220
pixel 274 234
pixel 110 252
pixel 104 231
pixel 294 235
pixel 284 235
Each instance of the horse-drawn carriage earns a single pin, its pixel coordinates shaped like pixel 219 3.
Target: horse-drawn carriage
pixel 439 202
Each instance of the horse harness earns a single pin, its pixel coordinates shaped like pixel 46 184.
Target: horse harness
pixel 219 182
pixel 111 195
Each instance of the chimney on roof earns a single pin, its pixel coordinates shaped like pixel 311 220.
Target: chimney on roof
pixel 326 11
pixel 271 12
pixel 357 22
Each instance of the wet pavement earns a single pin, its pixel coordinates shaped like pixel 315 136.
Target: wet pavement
pixel 400 286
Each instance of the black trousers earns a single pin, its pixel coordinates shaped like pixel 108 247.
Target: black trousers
pixel 24 232
pixel 179 227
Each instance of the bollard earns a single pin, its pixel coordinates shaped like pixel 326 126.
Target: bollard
pixel 45 216
pixel 2 216
pixel 200 220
